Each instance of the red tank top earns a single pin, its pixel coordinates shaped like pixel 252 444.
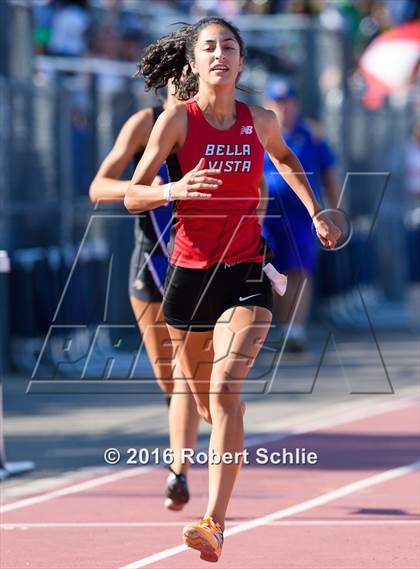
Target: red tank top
pixel 223 228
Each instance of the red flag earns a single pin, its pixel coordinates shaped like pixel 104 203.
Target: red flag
pixel 390 62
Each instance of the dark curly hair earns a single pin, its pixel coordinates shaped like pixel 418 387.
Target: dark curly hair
pixel 168 57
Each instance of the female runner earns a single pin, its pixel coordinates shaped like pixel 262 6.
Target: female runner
pixel 144 290
pixel 217 301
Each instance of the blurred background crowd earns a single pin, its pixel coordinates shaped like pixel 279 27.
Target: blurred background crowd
pixel 118 28
pixel 66 87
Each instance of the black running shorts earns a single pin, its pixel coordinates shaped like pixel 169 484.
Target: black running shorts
pixel 194 299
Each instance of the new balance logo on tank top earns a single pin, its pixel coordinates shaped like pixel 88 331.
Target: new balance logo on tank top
pixel 223 228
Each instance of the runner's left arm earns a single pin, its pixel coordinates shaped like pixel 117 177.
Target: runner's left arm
pixel 289 166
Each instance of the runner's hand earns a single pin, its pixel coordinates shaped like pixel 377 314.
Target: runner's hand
pixel 192 184
pixel 328 233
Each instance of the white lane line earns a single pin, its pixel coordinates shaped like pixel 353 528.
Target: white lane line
pixel 344 523
pixel 308 426
pixel 100 525
pixel 350 416
pixel 290 511
pixel 74 489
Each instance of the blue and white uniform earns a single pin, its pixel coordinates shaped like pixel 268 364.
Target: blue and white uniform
pixel 149 260
pixel 287 226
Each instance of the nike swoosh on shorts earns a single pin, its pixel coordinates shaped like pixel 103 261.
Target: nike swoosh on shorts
pixel 242 298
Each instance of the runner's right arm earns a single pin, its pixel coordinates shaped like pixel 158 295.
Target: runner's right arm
pixel 167 137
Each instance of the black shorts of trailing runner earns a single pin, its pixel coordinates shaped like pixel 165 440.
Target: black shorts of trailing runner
pixel 142 284
pixel 194 299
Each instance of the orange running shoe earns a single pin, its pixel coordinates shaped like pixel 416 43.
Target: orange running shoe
pixel 206 536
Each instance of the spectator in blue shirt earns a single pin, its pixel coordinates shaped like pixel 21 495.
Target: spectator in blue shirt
pixel 287 226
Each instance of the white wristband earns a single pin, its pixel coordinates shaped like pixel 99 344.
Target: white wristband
pixel 167 192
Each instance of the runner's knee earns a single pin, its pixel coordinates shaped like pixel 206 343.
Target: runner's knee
pixel 224 397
